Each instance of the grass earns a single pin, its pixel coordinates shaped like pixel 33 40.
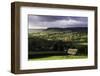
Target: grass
pixel 59 57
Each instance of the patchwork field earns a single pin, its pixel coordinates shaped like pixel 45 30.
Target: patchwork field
pixel 52 44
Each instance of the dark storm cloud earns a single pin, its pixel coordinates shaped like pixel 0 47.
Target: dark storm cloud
pixel 46 18
pixel 57 21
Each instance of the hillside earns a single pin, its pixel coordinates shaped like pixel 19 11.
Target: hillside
pixel 82 29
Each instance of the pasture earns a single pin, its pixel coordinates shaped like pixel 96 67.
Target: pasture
pixel 51 45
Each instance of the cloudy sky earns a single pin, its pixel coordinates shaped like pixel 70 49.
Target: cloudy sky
pixel 44 22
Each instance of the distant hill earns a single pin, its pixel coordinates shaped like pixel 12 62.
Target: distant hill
pixel 68 29
pixel 82 29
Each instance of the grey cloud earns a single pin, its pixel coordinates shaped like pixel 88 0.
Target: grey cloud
pixel 57 21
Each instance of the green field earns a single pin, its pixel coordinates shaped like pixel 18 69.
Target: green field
pixel 50 45
pixel 59 57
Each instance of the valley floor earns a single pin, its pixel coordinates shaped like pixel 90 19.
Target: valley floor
pixel 59 57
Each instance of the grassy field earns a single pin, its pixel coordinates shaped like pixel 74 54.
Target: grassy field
pixel 52 44
pixel 59 57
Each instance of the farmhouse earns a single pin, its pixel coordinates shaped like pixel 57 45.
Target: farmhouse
pixel 72 51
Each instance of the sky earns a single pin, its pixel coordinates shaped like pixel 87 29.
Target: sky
pixel 44 21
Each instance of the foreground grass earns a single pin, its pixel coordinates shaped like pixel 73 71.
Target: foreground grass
pixel 59 57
